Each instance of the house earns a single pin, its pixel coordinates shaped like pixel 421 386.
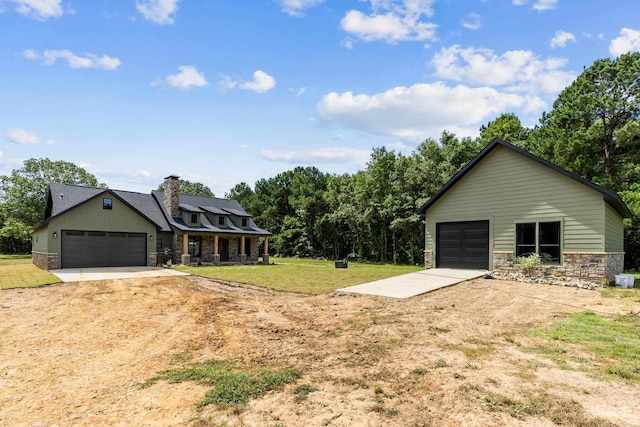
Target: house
pixel 98 227
pixel 507 203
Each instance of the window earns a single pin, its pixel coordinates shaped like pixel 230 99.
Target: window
pixel 540 237
pixel 107 203
pixel 244 222
pixel 220 220
pixel 194 218
pixel 195 247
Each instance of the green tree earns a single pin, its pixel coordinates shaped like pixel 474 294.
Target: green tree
pixel 593 129
pixel 23 196
pixel 506 127
pixel 193 188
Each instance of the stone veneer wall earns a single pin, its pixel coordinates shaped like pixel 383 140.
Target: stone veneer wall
pixel 592 267
pixel 44 260
pixel 428 259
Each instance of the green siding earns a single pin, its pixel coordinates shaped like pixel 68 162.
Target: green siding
pixel 90 216
pixel 39 240
pixel 614 230
pixel 506 187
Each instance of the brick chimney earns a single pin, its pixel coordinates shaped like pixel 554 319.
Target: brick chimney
pixel 171 195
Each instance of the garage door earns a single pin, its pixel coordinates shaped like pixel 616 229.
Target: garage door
pixel 462 245
pixel 103 249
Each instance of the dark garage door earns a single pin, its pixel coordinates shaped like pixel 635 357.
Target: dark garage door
pixel 462 244
pixel 103 249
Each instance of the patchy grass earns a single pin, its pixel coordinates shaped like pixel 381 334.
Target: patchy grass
pixel 17 271
pixel 302 392
pixel 614 343
pixel 533 404
pixel 231 386
pixel 301 275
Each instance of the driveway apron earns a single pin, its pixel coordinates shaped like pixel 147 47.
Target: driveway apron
pixel 412 284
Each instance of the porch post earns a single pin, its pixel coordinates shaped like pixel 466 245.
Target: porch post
pixel 265 256
pixel 216 254
pixel 242 256
pixel 186 258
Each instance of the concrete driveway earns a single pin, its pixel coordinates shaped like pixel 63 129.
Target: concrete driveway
pixel 412 284
pixel 108 273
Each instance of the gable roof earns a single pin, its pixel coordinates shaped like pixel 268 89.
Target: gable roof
pixel 609 196
pixel 62 198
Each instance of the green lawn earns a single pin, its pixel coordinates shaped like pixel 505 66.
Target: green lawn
pixel 301 275
pixel 17 271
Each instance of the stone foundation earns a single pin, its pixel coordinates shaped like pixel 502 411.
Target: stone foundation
pixel 185 259
pixel 428 259
pixel 591 267
pixel 153 259
pixel 44 260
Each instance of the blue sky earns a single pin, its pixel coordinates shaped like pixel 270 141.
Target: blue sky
pixel 224 91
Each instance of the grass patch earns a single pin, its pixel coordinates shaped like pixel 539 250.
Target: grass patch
pixel 614 342
pixel 301 275
pixel 302 392
pixel 633 293
pixel 17 271
pixel 231 386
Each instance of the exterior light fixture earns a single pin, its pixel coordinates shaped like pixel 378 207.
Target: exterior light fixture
pixel 55 235
pixel 151 237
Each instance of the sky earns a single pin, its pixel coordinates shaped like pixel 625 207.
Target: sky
pixel 228 91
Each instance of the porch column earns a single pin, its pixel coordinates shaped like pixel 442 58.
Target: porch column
pixel 265 255
pixel 186 258
pixel 216 254
pixel 242 256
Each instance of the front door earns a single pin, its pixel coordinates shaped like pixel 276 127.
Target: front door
pixel 224 249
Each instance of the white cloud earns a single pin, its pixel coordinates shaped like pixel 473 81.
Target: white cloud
pixel 520 70
pixel 25 137
pixel 392 21
pixel 320 155
pixel 545 5
pixel 561 39
pixel 421 110
pixel 38 9
pixel 262 82
pixel 187 78
pixel 160 12
pixel 472 21
pixel 50 57
pixel 539 5
pixel 629 41
pixel 297 7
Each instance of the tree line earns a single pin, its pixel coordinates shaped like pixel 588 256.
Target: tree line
pixel 593 130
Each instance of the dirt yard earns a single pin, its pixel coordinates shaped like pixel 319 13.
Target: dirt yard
pixel 75 354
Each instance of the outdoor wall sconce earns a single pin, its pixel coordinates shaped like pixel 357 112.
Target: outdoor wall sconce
pixel 150 237
pixel 55 235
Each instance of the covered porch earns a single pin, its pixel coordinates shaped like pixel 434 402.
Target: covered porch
pixel 216 249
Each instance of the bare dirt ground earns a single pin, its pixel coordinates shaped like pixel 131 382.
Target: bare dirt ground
pixel 75 354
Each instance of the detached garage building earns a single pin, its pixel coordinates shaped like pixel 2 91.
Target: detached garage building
pixel 508 203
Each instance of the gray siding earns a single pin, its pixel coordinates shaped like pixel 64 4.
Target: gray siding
pixel 506 188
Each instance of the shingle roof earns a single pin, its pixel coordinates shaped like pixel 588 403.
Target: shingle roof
pixel 216 206
pixel 64 197
pixel 609 196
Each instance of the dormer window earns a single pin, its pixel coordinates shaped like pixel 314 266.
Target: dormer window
pixel 220 220
pixel 107 203
pixel 244 222
pixel 194 218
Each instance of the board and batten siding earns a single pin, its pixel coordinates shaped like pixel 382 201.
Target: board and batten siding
pixel 507 188
pixel 90 216
pixel 39 240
